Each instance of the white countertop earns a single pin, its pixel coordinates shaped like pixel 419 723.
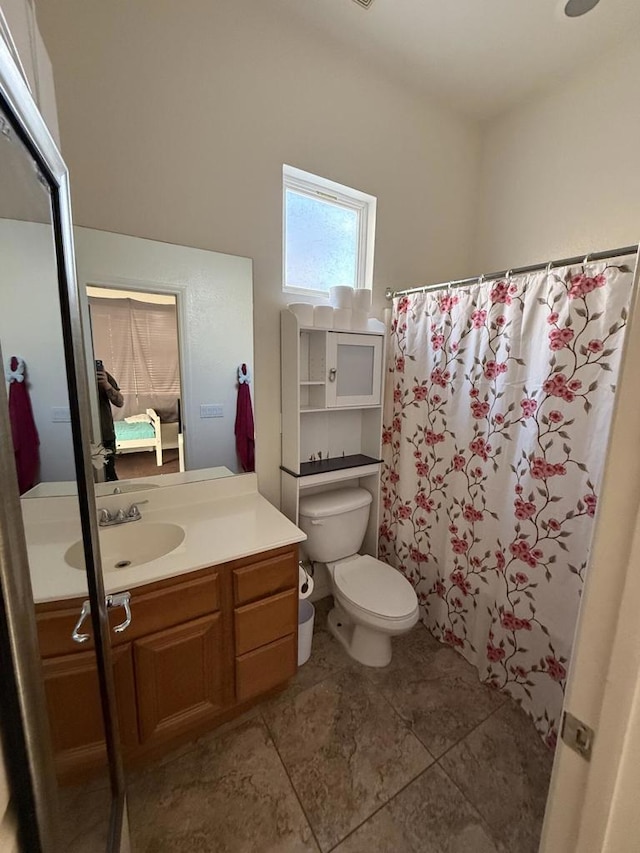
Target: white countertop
pixel 223 520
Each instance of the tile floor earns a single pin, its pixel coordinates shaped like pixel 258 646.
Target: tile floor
pixel 416 758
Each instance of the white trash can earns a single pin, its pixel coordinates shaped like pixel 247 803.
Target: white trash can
pixel 306 614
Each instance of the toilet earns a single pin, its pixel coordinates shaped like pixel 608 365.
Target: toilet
pixel 373 601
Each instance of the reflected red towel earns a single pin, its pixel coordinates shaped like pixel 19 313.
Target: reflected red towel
pixel 23 432
pixel 244 430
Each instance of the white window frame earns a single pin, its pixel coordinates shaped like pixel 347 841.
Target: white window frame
pixel 321 188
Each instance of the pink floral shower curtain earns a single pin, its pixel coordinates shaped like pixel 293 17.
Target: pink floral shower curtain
pixel 498 405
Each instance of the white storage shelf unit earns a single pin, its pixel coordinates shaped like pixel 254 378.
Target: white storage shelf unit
pixel 331 407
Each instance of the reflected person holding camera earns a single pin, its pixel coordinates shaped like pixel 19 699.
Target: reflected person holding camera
pixel 108 395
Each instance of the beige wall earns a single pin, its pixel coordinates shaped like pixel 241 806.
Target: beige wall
pixel 176 119
pixel 561 173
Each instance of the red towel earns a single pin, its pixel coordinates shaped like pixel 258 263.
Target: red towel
pixel 24 432
pixel 244 430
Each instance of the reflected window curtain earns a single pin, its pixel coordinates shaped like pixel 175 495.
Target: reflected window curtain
pixel 138 343
pixel 498 405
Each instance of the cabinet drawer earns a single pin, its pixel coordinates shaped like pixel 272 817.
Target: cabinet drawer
pixel 150 612
pixel 265 577
pixel 262 669
pixel 265 621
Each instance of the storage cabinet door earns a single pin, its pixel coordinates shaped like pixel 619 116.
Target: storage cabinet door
pixel 354 369
pixel 179 678
pixel 75 712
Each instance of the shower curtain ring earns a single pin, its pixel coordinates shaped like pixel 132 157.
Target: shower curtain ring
pixel 549 267
pixel 508 276
pixel 481 278
pixel 586 259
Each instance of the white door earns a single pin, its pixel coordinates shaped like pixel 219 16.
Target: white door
pixel 354 369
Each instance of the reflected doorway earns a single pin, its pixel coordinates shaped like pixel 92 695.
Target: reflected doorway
pixel 136 352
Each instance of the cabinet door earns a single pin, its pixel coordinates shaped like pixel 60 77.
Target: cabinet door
pixel 180 678
pixel 75 712
pixel 354 369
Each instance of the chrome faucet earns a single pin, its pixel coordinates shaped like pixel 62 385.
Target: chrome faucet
pixel 122 516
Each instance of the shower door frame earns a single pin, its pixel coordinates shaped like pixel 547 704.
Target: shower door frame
pixel 28 752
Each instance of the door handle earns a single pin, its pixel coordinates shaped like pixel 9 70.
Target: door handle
pixel 120 599
pixel 76 636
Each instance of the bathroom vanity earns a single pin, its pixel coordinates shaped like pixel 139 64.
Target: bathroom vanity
pixel 204 642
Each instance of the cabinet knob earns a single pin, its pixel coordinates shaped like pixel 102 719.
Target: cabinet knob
pixel 332 374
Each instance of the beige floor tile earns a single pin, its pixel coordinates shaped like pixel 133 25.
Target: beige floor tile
pixel 345 750
pixel 436 692
pixel 503 769
pixel 429 816
pixel 83 815
pixel 229 795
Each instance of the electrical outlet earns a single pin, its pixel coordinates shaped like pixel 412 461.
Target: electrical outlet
pixel 211 410
pixel 60 415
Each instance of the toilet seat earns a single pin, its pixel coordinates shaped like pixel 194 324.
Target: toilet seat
pixel 375 587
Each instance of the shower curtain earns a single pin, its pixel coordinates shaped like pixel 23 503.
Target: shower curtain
pixel 498 403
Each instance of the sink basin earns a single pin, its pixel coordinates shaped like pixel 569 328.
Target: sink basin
pixel 131 544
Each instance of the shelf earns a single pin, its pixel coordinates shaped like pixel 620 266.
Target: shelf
pixel 307 382
pixel 327 466
pixel 305 410
pixel 380 332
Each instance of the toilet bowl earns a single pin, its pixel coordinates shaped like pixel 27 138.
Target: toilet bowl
pixel 373 601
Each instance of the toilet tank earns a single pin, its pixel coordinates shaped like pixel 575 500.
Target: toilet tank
pixel 335 523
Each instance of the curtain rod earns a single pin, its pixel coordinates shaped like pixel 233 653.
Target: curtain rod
pixel 564 262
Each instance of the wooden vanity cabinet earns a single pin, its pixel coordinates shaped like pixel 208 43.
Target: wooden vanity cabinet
pixel 75 715
pixel 179 678
pixel 199 650
pixel 265 622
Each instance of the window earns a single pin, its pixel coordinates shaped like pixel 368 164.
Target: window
pixel 328 234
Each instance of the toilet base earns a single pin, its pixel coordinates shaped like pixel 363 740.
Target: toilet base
pixel 366 645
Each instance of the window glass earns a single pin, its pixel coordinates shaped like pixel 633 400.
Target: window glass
pixel 321 242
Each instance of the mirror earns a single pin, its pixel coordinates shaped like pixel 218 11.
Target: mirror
pixel 171 326
pixel 32 347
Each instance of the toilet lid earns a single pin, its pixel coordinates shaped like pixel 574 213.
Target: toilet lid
pixel 375 586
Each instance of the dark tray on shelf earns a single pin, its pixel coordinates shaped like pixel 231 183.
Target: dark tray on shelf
pixel 337 463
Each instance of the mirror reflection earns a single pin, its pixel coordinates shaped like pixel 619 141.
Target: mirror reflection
pixel 32 348
pixel 166 330
pixel 135 338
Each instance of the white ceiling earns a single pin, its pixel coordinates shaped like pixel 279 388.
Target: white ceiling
pixel 482 56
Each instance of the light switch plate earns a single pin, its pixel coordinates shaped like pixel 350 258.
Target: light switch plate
pixel 60 415
pixel 211 410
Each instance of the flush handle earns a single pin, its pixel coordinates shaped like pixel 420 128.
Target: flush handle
pixel 316 523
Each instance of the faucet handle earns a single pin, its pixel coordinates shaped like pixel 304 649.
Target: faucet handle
pixel 134 511
pixel 104 517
